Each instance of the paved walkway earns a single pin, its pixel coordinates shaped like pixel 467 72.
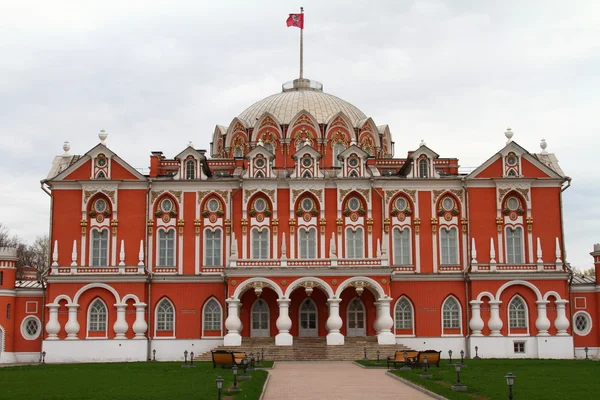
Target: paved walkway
pixel 334 380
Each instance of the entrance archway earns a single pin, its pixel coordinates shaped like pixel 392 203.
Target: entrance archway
pixel 356 318
pixel 308 319
pixel 259 319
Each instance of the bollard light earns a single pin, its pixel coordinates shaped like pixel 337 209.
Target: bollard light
pixel 458 387
pixel 365 353
pixel 262 354
pixel 476 353
pixel 154 355
pixel 425 373
pixel 192 359
pixel 219 387
pixel 251 361
pixel 185 363
pixel 235 387
pixel 244 375
pixel 450 356
pixel 43 357
pixel 510 381
pixel 378 357
pixel 462 356
pixel 406 366
pixel 586 353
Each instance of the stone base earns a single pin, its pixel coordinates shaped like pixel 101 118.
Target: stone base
pixel 284 339
pixel 335 339
pixel 386 338
pixel 232 339
pixel 459 388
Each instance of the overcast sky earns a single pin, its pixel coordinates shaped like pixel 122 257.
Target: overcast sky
pixel 157 74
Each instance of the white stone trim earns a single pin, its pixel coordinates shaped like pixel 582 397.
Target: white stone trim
pixel 27 305
pixel 460 317
pixel 526 316
pixel 24 333
pixel 412 318
pixel 220 311
pixel 87 320
pixel 155 321
pixel 90 286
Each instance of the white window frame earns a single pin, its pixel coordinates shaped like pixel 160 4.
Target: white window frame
pixel 412 317
pixel 517 297
pixel 338 148
pixel 524 343
pixel 204 323
pixel 310 230
pixel 590 323
pixel 263 254
pixel 398 254
pixel 156 319
pixel 447 230
pixel 88 320
pixel 188 162
pixel 27 303
pixel 522 244
pixel 159 242
pixel 460 324
pixel 93 245
pixel 213 257
pixel 355 237
pixel 24 332
pixel 425 162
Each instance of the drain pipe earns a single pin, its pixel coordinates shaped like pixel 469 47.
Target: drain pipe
pixel 466 273
pixel 149 278
pixel 42 277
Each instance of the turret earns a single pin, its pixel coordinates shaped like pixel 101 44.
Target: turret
pixel 596 255
pixel 8 267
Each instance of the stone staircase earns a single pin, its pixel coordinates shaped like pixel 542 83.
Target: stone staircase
pixel 312 349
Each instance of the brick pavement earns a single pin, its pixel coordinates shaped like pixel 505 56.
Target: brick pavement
pixel 335 380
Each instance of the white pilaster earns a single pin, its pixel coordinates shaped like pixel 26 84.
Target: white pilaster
pixel 334 323
pixel 284 324
pixel 233 323
pixel 495 323
pixel 476 323
pixel 72 326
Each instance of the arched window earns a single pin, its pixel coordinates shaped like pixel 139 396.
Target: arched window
pixel 404 314
pixel 212 316
pixel 451 313
pixel 353 174
pixel 354 243
pixel 514 245
pixel 517 313
pixel 423 168
pixel 166 248
pixel 308 243
pixel 99 248
pixel 212 248
pixel 449 245
pixel 101 175
pixel 401 246
pixel 165 316
pixel 190 169
pixel 97 316
pixel 260 244
pixel 338 149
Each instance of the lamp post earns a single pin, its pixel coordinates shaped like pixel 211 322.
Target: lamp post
pixel 510 381
pixel 43 357
pixel 262 355
pixel 378 358
pixel 235 387
pixel 586 353
pixel 426 373
pixel 251 362
pixel 192 360
pixel 405 367
pixel 219 387
pixel 154 355
pixel 458 387
pixel 365 352
pixel 244 375
pixel 462 356
pixel 450 355
pixel 185 364
pixel 476 353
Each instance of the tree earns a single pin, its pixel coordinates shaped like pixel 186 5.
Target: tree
pixel 35 255
pixel 585 272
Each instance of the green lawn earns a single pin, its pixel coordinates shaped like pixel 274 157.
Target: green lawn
pixel 143 380
pixel 535 379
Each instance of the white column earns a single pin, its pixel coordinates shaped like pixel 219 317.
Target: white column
pixel 561 323
pixel 52 326
pixel 233 324
pixel 120 326
pixel 72 326
pixel 384 322
pixel 542 323
pixel 140 326
pixel 495 323
pixel 334 323
pixel 376 325
pixel 284 324
pixel 476 323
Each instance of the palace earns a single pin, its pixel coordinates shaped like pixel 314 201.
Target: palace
pixel 301 223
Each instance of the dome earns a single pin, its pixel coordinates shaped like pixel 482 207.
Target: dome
pixel 301 94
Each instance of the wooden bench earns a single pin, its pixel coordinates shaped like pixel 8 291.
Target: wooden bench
pixel 398 358
pixel 226 358
pixel 433 358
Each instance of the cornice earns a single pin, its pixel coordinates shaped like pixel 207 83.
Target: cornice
pixel 307 271
pixel 509 276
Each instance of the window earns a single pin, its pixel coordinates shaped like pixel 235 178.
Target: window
pixel 99 248
pixel 511 160
pixel 338 149
pixel 403 314
pixel 165 315
pixel 101 161
pixel 449 244
pixel 451 314
pixel 353 162
pixel 306 162
pixel 101 175
pixel 401 204
pixel 354 243
pixel 259 162
pixel 259 174
pixel 582 323
pixel 166 248
pixel 308 243
pixel 212 248
pixel 519 347
pixel 448 204
pixel 401 246
pixel 512 203
pixel 354 204
pixel 31 328
pixel 100 205
pixel 166 205
pixel 213 205
pixel 212 316
pixel 353 174
pixel 260 244
pixel 307 204
pixel 190 169
pixel 514 245
pixel 260 205
pixel 517 313
pixel 97 317
pixel 423 168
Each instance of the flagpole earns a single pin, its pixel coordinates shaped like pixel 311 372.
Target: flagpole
pixel 301 44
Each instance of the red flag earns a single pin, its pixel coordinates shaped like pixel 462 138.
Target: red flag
pixel 296 20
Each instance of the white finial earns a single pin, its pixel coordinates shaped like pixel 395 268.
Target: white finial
pixel 509 134
pixel 66 148
pixel 379 254
pixel 558 252
pixel 74 254
pixel 234 248
pixel 283 247
pixel 190 144
pixel 102 136
pixel 55 254
pixel 492 252
pixel 141 254
pixel 332 247
pixel 422 143
pixel 260 143
pixel 473 251
pixel 543 145
pixel 539 251
pixel 122 253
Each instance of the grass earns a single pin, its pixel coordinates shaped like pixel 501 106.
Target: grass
pixel 373 363
pixel 143 380
pixel 535 379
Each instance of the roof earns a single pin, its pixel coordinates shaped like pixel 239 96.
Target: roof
pixel 583 280
pixel 26 284
pixel 61 163
pixel 287 104
pixel 550 161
